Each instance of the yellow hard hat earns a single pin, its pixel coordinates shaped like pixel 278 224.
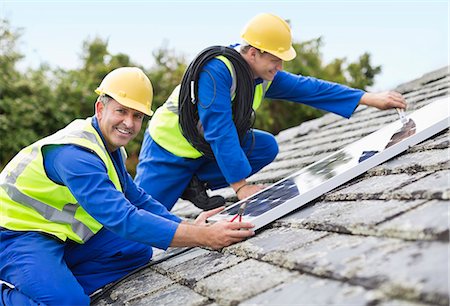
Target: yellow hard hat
pixel 270 33
pixel 130 87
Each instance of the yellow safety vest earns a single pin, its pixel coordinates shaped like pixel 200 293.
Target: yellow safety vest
pixel 30 201
pixel 164 126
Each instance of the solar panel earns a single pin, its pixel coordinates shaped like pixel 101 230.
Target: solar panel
pixel 341 166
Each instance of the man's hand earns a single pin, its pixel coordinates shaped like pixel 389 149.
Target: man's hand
pixel 216 235
pixel 201 219
pixel 249 190
pixel 244 190
pixel 225 233
pixel 384 100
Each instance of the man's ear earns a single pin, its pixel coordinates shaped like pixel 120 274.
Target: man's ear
pixel 99 107
pixel 251 54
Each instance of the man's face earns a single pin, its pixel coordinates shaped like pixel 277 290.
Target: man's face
pixel 119 124
pixel 265 65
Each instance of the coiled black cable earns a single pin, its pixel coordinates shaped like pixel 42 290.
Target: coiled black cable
pixel 243 116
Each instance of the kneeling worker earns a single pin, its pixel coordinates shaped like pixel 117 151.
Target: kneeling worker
pixel 72 220
pixel 202 135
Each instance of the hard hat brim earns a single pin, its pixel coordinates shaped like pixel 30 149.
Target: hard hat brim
pixel 128 103
pixel 286 55
pixel 132 104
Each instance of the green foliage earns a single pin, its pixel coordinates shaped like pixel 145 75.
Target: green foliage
pixel 36 103
pixel 75 88
pixel 27 109
pixel 274 115
pixel 166 74
pixel 362 74
pixel 9 56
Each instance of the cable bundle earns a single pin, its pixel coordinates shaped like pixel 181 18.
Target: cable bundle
pixel 243 116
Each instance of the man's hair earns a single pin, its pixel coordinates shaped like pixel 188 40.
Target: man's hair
pixel 245 47
pixel 104 99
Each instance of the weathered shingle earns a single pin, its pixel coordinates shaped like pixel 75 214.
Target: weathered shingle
pixel 310 290
pixel 380 239
pixel 243 281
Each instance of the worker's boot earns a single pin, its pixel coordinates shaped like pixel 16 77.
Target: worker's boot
pixel 196 193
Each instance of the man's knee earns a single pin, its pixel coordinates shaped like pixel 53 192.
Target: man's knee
pixel 273 149
pixel 269 147
pixel 263 151
pixel 132 256
pixel 144 253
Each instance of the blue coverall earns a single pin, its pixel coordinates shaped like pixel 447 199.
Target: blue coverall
pixel 233 161
pixel 48 271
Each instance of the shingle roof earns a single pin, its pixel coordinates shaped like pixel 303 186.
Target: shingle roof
pixel 380 239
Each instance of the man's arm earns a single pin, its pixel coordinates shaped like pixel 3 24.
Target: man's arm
pixel 244 190
pixel 198 233
pixel 215 113
pixel 383 100
pixel 85 174
pixel 329 96
pixel 216 236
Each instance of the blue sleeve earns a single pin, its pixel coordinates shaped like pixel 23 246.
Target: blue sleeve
pixel 214 109
pixel 85 174
pixel 324 95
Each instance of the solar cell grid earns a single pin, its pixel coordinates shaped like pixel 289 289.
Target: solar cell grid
pixel 339 167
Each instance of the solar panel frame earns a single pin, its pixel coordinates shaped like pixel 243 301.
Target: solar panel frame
pixel 355 159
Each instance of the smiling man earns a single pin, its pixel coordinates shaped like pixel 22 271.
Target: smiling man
pixel 201 137
pixel 120 125
pixel 73 220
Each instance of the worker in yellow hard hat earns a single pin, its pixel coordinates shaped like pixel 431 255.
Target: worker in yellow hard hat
pixel 202 136
pixel 73 220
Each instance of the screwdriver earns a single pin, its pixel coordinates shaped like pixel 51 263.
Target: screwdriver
pixel 402 114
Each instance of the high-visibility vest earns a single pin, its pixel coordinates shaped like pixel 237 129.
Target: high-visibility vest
pixel 164 126
pixel 30 201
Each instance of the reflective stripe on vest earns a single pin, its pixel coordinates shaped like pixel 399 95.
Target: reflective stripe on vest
pixel 32 202
pixel 164 126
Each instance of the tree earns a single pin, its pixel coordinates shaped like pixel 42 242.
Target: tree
pixel 36 103
pixel 75 88
pixel 165 75
pixel 9 57
pixel 27 108
pixel 362 74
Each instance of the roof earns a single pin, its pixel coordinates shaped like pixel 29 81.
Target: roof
pixel 380 239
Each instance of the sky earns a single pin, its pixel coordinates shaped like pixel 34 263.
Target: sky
pixel 407 38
